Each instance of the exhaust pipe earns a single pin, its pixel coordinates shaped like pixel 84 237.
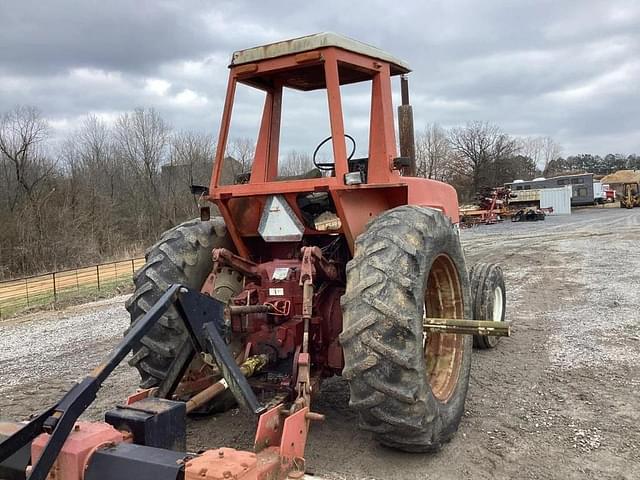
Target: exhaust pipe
pixel 405 129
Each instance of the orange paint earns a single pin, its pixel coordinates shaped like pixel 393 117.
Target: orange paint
pixel 356 204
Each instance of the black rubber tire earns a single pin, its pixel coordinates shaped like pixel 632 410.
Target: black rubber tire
pixel 382 335
pixel 182 255
pixel 485 278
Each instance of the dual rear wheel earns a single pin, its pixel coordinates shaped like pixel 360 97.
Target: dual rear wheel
pixel 409 388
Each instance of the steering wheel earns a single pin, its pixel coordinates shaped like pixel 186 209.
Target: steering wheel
pixel 324 166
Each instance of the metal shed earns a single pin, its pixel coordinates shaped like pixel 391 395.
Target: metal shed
pixel 557 198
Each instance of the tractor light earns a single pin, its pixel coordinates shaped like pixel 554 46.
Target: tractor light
pixel 353 178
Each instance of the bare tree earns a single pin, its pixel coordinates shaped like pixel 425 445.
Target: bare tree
pixel 23 132
pixel 142 140
pixel 550 151
pixel 475 144
pixel 143 137
pixel 432 152
pixel 190 163
pixel 112 189
pixel 26 171
pixel 507 162
pixel 531 147
pixel 481 148
pixel 542 150
pixel 242 150
pixel 96 149
pixel 294 164
pixel 195 152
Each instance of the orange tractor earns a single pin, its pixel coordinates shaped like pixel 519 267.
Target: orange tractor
pixel 352 269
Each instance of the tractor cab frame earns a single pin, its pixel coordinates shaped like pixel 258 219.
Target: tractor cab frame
pixel 322 61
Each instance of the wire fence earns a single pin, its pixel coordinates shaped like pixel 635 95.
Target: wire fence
pixel 54 287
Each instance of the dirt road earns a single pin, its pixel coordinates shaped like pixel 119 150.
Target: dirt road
pixel 560 399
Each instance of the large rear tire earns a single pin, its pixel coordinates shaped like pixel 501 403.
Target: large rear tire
pixel 182 255
pixel 408 388
pixel 488 297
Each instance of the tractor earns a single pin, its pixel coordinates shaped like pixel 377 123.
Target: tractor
pixel 630 196
pixel 354 268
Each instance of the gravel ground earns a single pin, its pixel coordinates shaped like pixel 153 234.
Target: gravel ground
pixel 559 399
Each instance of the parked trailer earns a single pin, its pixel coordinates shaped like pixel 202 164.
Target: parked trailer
pixel 557 199
pixel 581 186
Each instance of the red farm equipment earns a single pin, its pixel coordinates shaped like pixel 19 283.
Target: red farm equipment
pixel 355 269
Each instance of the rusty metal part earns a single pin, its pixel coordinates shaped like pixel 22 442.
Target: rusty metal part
pixel 246 309
pixel 224 258
pixel 303 386
pixel 223 463
pixel 85 438
pixel 269 429
pixel 406 130
pixel 248 368
pixel 225 283
pixel 307 303
pixel 207 375
pixel 285 436
pixel 206 395
pixel 315 417
pixel 141 394
pixel 313 263
pixel 279 446
pixel 467 327
pixel 443 353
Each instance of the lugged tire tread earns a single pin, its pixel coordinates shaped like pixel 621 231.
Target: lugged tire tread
pixel 387 382
pixel 182 255
pixel 483 278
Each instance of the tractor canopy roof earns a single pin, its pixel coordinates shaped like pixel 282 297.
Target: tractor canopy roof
pixel 310 43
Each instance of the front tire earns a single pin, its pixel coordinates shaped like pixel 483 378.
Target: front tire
pixel 408 389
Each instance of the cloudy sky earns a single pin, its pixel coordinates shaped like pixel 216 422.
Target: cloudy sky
pixel 568 69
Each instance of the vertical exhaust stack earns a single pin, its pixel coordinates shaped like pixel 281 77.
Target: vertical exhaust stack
pixel 405 129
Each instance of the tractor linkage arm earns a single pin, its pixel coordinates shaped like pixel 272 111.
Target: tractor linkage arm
pixel 203 317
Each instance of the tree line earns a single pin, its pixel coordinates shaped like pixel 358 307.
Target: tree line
pixel 105 191
pixel 480 155
pixel 108 190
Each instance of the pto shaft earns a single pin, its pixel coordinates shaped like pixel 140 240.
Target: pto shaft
pixel 250 366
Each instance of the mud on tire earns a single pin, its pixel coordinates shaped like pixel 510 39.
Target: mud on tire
pixel 488 299
pixel 182 255
pixel 408 390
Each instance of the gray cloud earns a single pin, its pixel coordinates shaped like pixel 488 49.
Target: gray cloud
pixel 567 69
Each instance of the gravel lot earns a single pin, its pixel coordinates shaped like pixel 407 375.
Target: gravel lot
pixel 560 399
